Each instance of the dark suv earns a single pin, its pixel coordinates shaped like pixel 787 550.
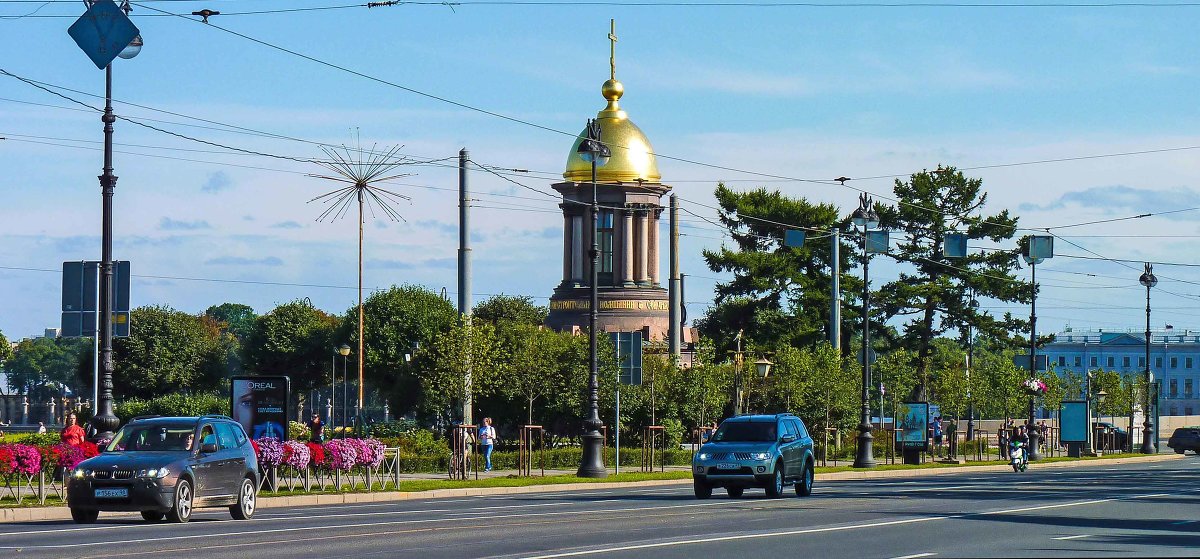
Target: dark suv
pixel 167 466
pixel 768 451
pixel 1184 439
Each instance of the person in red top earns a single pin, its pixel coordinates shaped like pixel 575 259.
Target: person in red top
pixel 73 434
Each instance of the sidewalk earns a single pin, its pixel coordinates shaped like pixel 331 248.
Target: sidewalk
pixel 62 513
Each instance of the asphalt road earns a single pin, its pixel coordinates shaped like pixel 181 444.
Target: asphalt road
pixel 1149 509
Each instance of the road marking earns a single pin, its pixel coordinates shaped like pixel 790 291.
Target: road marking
pixel 1182 522
pixel 915 555
pixel 938 488
pixel 1075 537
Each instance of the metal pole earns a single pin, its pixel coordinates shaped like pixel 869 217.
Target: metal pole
pixel 358 406
pixel 592 464
pixel 464 276
pixel 835 308
pixel 333 392
pixel 1148 442
pixel 970 396
pixel 617 432
pixel 96 349
pixel 1031 430
pixel 864 458
pixel 673 287
pixel 345 395
pixel 105 421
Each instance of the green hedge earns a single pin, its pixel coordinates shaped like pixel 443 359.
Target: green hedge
pixel 174 404
pixel 555 459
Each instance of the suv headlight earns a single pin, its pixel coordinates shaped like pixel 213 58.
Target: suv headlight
pixel 80 473
pixel 154 473
pixel 702 456
pixel 760 456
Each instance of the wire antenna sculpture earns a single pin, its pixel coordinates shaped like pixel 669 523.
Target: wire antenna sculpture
pixel 360 171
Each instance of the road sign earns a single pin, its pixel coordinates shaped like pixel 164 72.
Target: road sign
pixel 102 32
pixel 80 298
pixel 872 355
pixel 877 241
pixel 1022 361
pixel 793 238
pixel 1041 247
pixel 956 245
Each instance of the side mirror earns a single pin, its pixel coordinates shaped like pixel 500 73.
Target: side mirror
pixel 208 448
pixel 787 439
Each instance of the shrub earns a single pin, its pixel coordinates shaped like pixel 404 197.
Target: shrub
pixel 270 451
pixel 174 404
pixel 297 431
pixel 26 459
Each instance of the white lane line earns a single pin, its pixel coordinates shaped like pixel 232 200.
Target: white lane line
pixel 1075 537
pixel 915 555
pixel 843 528
pixel 227 535
pixel 938 488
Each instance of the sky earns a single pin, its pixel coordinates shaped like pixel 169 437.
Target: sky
pixel 1023 97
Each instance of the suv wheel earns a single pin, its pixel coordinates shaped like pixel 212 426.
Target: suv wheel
pixel 735 492
pixel 776 487
pixel 703 489
pixel 84 516
pixel 184 498
pixel 805 485
pixel 244 509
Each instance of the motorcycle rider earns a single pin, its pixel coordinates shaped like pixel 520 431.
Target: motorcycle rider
pixel 1020 440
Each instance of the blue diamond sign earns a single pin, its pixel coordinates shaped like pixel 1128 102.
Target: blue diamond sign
pixel 103 32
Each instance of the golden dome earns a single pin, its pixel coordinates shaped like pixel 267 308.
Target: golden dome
pixel 632 155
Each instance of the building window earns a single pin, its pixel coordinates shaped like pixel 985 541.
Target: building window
pixel 1112 362
pixel 1062 361
pixel 1078 361
pixel 1187 388
pixel 605 230
pixel 1174 393
pixel 1187 362
pixel 1141 362
pixel 1158 362
pixel 1125 361
pixel 1174 362
pixel 1094 360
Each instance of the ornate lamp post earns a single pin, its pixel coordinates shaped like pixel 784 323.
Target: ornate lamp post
pixel 105 421
pixel 344 351
pixel 763 368
pixel 593 151
pixel 1148 446
pixel 865 219
pixel 1040 248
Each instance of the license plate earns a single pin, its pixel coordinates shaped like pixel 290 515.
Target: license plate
pixel 727 466
pixel 116 493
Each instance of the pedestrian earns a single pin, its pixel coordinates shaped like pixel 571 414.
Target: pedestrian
pixel 316 429
pixel 1002 442
pixel 952 438
pixel 41 428
pixel 487 440
pixel 937 435
pixel 72 434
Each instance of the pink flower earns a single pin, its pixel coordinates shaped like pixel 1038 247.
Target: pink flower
pixel 296 454
pixel 341 454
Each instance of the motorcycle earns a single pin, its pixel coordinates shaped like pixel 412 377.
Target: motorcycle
pixel 1019 460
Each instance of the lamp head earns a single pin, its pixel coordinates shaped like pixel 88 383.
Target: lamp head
pixel 763 367
pixel 591 149
pixel 1101 395
pixel 344 350
pixel 1148 279
pixel 132 50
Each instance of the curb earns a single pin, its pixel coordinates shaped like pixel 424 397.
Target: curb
pixel 33 514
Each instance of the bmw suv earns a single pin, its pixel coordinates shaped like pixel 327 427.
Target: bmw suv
pixel 166 467
pixel 768 451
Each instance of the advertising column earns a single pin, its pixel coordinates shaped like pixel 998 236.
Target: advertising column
pixel 260 405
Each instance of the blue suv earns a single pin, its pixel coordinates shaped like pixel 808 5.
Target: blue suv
pixel 768 451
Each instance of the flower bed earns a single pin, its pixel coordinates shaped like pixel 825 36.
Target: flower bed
pixel 1033 387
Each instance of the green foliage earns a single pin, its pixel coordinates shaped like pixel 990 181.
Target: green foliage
pixel 517 309
pixel 39 364
pixel 297 431
pixel 933 293
pixel 36 439
pixel 174 404
pixel 239 320
pixel 537 364
pixel 5 349
pixel 294 339
pixel 779 295
pixel 167 350
pixel 444 366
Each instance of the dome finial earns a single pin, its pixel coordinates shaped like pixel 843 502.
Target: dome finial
pixel 612 90
pixel 612 49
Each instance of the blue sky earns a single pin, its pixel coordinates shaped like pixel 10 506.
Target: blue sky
pixel 792 91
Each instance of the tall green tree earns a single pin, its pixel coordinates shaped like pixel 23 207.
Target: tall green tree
pixel 167 351
pixel 443 368
pixel 5 349
pixel 235 318
pixel 39 362
pixel 779 295
pixel 537 366
pixel 510 308
pixel 933 293
pixel 294 339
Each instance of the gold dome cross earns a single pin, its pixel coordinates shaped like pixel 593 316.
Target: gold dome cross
pixel 612 48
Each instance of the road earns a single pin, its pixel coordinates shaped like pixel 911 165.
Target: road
pixel 1150 509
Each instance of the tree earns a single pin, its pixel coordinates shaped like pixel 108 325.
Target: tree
pixel 442 369
pixel 294 339
pixel 167 351
pixel 237 319
pixel 510 308
pixel 537 367
pixel 932 295
pixel 5 349
pixel 38 362
pixel 779 295
pixel 396 319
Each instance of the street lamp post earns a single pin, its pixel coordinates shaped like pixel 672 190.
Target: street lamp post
pixel 344 351
pixel 866 219
pixel 1033 256
pixel 1148 447
pixel 763 368
pixel 592 150
pixel 105 421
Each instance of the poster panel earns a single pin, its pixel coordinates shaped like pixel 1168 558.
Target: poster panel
pixel 913 419
pixel 1073 422
pixel 260 404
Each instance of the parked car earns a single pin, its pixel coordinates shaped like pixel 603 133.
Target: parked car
pixel 166 467
pixel 1184 439
pixel 1120 437
pixel 768 451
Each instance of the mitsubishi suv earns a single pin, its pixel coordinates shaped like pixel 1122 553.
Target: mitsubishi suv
pixel 768 451
pixel 166 467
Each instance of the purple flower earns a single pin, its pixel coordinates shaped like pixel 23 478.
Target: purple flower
pixel 296 454
pixel 270 451
pixel 26 459
pixel 341 454
pixel 372 453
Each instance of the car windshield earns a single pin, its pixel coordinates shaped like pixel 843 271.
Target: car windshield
pixel 162 438
pixel 745 432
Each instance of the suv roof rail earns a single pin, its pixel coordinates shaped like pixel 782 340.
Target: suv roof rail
pixel 785 414
pixel 215 415
pixel 149 416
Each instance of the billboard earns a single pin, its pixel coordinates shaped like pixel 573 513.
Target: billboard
pixel 913 420
pixel 260 404
pixel 1073 422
